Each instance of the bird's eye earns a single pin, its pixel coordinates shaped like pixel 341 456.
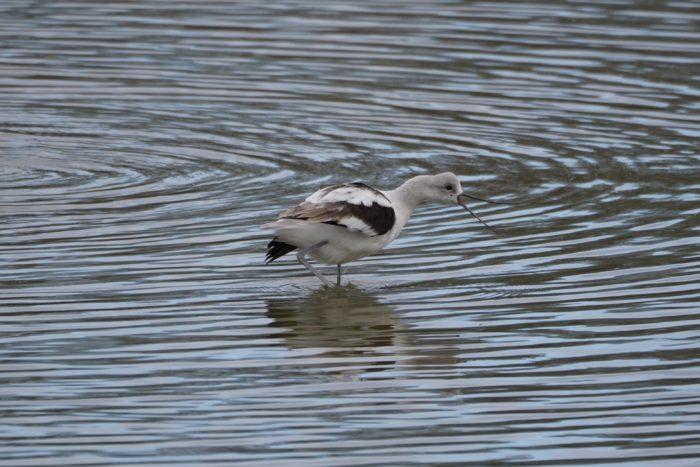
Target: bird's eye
pixel 449 188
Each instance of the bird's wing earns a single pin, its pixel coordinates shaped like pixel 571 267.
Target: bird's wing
pixel 355 206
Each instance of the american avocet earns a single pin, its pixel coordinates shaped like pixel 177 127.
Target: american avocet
pixel 342 223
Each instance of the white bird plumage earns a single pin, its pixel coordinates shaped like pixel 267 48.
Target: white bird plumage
pixel 343 223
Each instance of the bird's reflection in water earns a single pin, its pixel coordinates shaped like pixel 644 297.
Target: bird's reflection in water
pixel 359 335
pixel 339 321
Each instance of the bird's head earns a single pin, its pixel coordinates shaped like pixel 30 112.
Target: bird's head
pixel 444 188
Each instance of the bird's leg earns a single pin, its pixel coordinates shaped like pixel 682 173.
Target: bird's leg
pixel 338 281
pixel 301 256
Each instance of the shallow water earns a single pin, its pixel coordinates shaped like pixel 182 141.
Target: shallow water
pixel 143 143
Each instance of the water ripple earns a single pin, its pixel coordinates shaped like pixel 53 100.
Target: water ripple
pixel 142 144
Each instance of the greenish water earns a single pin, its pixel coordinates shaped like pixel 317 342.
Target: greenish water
pixel 142 144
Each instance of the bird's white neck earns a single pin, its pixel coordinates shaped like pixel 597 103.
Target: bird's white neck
pixel 409 195
pixel 406 199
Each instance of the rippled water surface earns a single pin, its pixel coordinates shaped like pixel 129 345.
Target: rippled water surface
pixel 142 144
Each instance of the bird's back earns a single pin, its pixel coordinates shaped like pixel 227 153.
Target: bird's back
pixel 355 219
pixel 354 206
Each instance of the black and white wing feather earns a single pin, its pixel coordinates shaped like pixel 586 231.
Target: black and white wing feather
pixel 355 206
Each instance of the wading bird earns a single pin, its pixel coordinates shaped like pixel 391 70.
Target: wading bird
pixel 342 223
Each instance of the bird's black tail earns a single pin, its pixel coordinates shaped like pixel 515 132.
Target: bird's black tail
pixel 275 249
